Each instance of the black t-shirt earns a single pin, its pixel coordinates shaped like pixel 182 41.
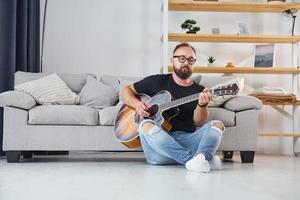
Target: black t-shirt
pixel 151 85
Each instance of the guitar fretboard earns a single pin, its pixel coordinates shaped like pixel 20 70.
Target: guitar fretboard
pixel 180 101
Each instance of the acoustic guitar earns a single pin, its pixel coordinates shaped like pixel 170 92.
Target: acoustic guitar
pixel 128 120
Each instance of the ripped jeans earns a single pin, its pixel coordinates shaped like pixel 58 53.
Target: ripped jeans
pixel 178 147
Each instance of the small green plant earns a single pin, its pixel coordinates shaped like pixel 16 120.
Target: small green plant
pixel 211 59
pixel 189 24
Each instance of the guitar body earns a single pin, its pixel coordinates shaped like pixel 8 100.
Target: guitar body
pixel 128 120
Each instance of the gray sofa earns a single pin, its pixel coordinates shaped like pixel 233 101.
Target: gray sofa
pixel 32 127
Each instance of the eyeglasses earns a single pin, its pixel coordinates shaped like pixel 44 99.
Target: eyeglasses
pixel 182 59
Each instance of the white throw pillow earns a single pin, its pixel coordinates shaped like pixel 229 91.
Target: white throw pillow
pixel 49 90
pixel 220 100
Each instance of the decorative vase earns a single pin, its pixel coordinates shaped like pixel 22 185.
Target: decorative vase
pixel 230 65
pixel 191 32
pixel 210 64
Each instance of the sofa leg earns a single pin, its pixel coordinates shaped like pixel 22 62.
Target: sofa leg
pixel 2 153
pixel 227 155
pixel 247 156
pixel 27 154
pixel 51 152
pixel 13 156
pixel 58 153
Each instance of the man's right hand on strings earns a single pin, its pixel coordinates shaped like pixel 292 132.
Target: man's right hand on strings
pixel 141 108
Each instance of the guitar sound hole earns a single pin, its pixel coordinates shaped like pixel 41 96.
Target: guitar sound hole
pixel 152 111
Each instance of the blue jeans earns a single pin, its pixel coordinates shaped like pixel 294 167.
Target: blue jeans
pixel 178 147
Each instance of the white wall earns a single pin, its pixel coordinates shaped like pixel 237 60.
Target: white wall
pixel 123 38
pixel 102 37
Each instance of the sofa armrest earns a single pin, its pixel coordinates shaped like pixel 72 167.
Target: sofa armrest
pixel 17 99
pixel 240 103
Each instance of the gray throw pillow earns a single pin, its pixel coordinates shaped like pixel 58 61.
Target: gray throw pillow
pixel 197 78
pixel 17 99
pixel 123 82
pixel 97 95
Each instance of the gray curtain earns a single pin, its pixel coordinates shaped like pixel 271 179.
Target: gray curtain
pixel 19 43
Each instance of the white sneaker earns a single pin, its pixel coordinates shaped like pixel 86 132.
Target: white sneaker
pixel 198 164
pixel 215 163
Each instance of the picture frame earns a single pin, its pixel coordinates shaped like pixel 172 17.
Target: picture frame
pixel 264 55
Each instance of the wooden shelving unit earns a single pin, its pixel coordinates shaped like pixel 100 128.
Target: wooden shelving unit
pixel 293 135
pixel 286 103
pixel 190 5
pixel 243 70
pixel 182 37
pixel 242 7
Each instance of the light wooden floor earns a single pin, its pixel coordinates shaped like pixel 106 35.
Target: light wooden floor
pixel 127 176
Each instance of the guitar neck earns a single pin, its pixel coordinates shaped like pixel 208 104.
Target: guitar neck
pixel 180 101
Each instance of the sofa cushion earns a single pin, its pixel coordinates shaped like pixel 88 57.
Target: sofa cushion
pixel 17 99
pixel 226 116
pixel 108 116
pixel 74 81
pixel 63 115
pixel 49 90
pixel 96 94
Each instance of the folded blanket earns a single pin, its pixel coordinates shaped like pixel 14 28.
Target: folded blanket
pixel 273 98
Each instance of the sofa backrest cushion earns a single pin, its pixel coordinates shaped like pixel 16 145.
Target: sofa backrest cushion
pixel 74 81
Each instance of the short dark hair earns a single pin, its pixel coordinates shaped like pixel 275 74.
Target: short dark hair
pixel 184 45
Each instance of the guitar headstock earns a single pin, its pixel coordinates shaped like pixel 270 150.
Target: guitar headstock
pixel 230 89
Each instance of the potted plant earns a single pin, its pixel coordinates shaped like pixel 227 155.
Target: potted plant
pixel 189 24
pixel 211 60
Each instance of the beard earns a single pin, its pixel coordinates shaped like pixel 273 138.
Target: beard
pixel 183 72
